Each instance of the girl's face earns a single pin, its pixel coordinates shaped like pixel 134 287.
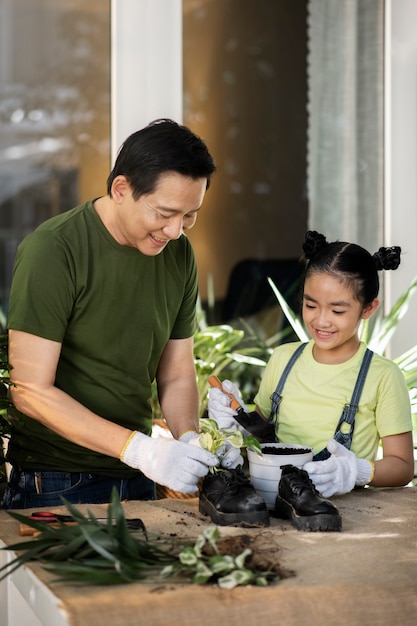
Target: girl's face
pixel 332 316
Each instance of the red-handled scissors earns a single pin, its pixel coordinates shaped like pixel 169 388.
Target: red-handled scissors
pixel 50 518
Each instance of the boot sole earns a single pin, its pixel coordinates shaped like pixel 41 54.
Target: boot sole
pixel 310 523
pixel 253 518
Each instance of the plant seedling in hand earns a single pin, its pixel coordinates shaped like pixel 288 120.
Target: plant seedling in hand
pixel 219 441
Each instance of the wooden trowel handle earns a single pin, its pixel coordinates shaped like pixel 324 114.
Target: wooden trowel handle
pixel 215 382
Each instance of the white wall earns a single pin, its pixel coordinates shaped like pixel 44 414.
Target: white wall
pixel 401 158
pixel 146 67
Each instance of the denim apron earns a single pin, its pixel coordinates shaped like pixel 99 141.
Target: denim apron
pixel 349 410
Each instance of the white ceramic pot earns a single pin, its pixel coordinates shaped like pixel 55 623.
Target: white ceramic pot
pixel 265 470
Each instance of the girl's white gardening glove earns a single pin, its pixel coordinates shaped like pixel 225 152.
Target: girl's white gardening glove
pixel 340 472
pixel 168 462
pixel 219 408
pixel 228 456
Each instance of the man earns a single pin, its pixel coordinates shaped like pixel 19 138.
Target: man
pixel 102 303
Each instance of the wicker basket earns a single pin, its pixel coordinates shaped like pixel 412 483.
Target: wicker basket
pixel 165 492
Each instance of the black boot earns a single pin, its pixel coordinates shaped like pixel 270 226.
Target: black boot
pixel 229 498
pixel 299 501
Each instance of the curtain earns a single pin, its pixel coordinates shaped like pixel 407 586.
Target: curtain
pixel 345 108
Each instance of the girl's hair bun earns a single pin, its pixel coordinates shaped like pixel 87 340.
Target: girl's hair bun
pixel 387 258
pixel 313 242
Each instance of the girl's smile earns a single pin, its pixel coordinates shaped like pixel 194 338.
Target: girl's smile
pixel 332 316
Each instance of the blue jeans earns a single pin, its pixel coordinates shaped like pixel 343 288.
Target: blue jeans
pixel 33 489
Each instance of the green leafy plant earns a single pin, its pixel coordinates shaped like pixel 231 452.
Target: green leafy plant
pixel 92 552
pixel 215 439
pixel 228 351
pixel 224 350
pixel 211 566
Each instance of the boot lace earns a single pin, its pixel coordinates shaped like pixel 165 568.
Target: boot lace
pixel 235 479
pixel 301 481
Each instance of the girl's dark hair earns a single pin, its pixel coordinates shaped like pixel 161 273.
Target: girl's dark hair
pixel 160 147
pixel 350 262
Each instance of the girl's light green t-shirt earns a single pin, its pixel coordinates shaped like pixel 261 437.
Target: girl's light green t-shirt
pixel 314 396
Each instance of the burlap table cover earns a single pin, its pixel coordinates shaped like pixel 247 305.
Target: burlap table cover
pixel 367 574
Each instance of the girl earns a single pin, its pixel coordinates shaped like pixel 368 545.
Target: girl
pixel 315 406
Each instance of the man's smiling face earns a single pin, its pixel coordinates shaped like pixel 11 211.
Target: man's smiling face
pixel 153 220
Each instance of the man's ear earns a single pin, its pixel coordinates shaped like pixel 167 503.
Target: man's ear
pixel 370 309
pixel 119 188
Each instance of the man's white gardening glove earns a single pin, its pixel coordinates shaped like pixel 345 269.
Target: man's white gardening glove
pixel 219 408
pixel 340 472
pixel 229 456
pixel 174 464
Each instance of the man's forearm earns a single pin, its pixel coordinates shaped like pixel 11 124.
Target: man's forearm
pixel 68 418
pixel 180 405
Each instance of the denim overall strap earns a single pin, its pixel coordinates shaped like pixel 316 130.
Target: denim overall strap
pixel 276 397
pixel 349 410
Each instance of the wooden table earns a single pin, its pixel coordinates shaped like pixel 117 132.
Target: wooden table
pixel 366 574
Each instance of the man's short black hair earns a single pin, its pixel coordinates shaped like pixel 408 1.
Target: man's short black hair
pixel 162 146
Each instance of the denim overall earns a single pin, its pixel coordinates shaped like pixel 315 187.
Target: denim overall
pixel 349 410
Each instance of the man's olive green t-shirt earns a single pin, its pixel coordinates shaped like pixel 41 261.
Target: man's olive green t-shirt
pixel 113 309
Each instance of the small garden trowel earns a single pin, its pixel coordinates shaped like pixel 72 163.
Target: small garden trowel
pixel 261 429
